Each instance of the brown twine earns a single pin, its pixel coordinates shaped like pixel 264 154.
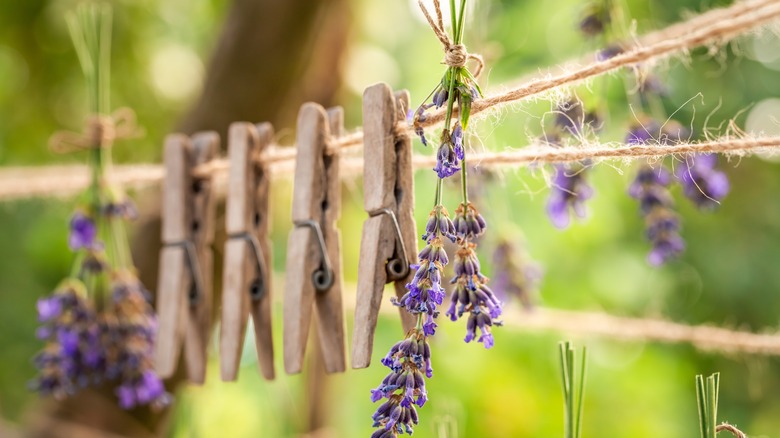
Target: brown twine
pixel 100 131
pixel 455 55
pixel 18 183
pixel 729 428
pixel 634 329
pixel 722 28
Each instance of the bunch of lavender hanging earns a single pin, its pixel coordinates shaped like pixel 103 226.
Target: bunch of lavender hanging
pixel 98 326
pixel 702 183
pixel 409 360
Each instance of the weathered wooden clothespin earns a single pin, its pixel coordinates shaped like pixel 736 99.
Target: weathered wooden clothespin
pixel 184 292
pixel 389 242
pixel 314 246
pixel 246 281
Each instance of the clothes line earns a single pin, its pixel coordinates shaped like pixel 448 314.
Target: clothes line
pixel 48 181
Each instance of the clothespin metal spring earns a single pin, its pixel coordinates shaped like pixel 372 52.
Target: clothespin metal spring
pixel 196 292
pixel 323 277
pixel 397 267
pixel 257 287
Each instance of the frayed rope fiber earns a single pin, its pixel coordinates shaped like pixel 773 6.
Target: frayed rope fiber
pixel 19 183
pixel 724 27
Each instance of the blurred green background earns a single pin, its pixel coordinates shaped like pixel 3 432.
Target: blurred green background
pixel 728 276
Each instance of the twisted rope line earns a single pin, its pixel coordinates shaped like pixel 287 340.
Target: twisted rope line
pixel 18 183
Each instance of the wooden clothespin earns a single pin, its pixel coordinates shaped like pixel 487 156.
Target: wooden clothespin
pixel 389 242
pixel 314 246
pixel 184 293
pixel 247 271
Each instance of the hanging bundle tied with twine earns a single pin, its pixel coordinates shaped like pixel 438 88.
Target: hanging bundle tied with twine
pixel 455 55
pixel 100 131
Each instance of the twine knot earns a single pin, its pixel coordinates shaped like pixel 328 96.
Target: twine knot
pixel 100 131
pixel 455 55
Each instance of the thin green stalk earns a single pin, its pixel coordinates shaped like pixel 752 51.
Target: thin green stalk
pixel 454 72
pixel 453 18
pixel 437 201
pixel 461 14
pixel 702 404
pixel 581 392
pixel 463 180
pixel 712 400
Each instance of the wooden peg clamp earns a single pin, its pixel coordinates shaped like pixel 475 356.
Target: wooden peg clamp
pixel 184 298
pixel 247 270
pixel 314 246
pixel 389 242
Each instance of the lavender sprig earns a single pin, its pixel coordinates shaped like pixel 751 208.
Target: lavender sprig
pixel 99 324
pixel 410 360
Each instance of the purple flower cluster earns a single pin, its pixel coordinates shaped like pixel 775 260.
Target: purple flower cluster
pixel 72 352
pixel 515 276
pixel 410 359
pixel 472 294
pixel 450 152
pixel 129 333
pixel 662 226
pixel 702 183
pixel 83 232
pixel 409 362
pixel 425 292
pixel 85 347
pixel 569 191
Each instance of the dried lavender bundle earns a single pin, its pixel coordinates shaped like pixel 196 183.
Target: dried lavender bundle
pixel 99 324
pixel 410 359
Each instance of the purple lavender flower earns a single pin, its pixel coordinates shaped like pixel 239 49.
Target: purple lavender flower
pixel 595 19
pixel 439 224
pixel 457 142
pixel 124 208
pixel 569 191
pixel 702 182
pixel 515 276
pixel 440 97
pixel 446 161
pixel 416 118
pixel 609 52
pixel 571 117
pixel 82 232
pixel 68 327
pixel 404 387
pixel 468 222
pixel 128 339
pixel 650 188
pixel 472 295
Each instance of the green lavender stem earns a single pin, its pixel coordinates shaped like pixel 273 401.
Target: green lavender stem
pixel 573 389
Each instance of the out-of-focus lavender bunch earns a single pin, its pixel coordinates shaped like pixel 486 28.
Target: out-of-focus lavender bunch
pixel 409 360
pixel 569 187
pixel 701 182
pixel 99 325
pixel 515 275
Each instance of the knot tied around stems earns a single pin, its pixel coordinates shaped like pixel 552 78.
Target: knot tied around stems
pixel 100 131
pixel 455 55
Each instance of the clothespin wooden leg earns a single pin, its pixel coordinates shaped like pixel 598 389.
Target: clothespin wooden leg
pixel 205 146
pixel 313 255
pixel 184 289
pixel 174 281
pixel 389 200
pixel 246 274
pixel 404 192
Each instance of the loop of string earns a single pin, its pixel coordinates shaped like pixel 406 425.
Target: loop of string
pixel 455 55
pixel 100 131
pixel 730 428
